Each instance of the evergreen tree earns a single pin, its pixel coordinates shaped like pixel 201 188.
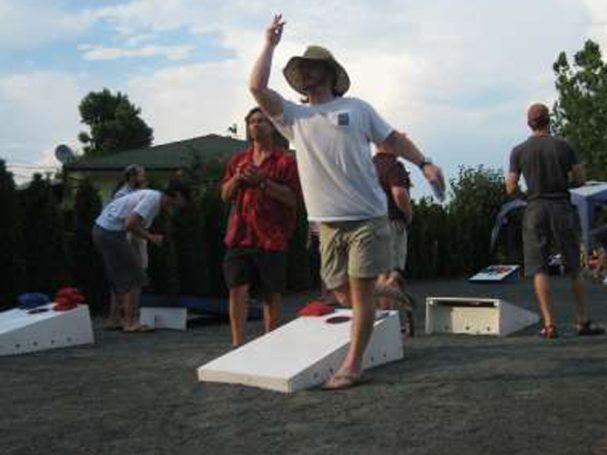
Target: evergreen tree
pixel 85 263
pixel 12 264
pixel 43 232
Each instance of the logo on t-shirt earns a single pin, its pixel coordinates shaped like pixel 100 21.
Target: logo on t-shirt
pixel 343 119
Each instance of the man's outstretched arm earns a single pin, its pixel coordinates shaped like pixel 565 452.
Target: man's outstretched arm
pixel 400 145
pixel 269 101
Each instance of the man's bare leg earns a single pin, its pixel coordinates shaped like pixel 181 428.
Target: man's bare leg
pixel 116 304
pixel 579 295
pixel 542 292
pixel 384 302
pixel 131 311
pixel 271 312
pixel 239 309
pixel 362 292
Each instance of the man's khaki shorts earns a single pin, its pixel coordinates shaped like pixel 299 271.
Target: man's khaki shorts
pixel 354 249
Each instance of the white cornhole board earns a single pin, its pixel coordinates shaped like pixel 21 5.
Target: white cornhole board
pixel 496 273
pixel 164 317
pixel 22 332
pixel 475 316
pixel 303 353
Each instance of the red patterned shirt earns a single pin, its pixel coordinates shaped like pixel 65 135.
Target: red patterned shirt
pixel 257 220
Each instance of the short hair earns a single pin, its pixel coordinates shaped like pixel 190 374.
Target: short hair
pixel 176 187
pixel 131 170
pixel 277 138
pixel 538 116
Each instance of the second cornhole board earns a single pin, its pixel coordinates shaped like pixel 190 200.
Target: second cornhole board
pixel 497 274
pixel 303 353
pixel 476 316
pixel 22 331
pixel 174 318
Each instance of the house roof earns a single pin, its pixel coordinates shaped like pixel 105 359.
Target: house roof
pixel 170 156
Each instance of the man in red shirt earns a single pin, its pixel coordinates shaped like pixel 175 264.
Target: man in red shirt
pixel 262 184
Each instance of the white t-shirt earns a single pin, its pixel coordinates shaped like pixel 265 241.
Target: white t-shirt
pixel 332 145
pixel 145 203
pixel 123 191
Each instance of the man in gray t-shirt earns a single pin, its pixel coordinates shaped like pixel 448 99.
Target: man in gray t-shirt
pixel 550 166
pixel 331 135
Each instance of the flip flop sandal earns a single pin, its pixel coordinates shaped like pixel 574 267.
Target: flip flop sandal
pixel 142 328
pixel 343 382
pixel 588 328
pixel 549 332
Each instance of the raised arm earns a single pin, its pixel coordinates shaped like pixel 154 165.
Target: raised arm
pixel 269 101
pixel 400 145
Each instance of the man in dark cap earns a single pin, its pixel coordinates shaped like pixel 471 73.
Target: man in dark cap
pixel 550 166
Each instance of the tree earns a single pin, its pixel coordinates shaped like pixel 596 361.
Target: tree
pixel 580 113
pixel 477 195
pixel 12 265
pixel 85 263
pixel 115 124
pixel 43 233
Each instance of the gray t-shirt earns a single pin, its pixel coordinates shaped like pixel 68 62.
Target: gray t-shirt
pixel 545 162
pixel 332 145
pixel 145 203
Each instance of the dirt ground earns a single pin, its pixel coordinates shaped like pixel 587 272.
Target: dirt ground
pixel 138 394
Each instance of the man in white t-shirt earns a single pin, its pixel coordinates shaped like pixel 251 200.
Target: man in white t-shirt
pixel 331 135
pixel 133 213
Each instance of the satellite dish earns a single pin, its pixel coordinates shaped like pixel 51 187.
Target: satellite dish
pixel 64 154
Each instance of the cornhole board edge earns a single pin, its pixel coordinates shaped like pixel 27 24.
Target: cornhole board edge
pixel 508 318
pixel 46 331
pixel 315 373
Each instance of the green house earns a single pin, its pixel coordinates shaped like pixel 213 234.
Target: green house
pixel 208 154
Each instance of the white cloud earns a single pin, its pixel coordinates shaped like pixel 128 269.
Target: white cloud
pixel 598 30
pixel 457 75
pixel 41 112
pixel 95 52
pixel 31 23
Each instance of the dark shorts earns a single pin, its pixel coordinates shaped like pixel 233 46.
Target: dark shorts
pixel 264 270
pixel 122 265
pixel 549 224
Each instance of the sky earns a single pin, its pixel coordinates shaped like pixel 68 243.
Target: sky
pixel 455 75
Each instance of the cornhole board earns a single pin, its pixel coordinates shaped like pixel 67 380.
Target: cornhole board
pixel 497 274
pixel 474 316
pixel 22 332
pixel 174 318
pixel 303 353
pixel 213 307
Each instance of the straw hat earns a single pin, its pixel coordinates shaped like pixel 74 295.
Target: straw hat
pixel 316 53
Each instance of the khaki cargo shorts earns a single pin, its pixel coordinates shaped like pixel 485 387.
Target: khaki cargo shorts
pixel 354 249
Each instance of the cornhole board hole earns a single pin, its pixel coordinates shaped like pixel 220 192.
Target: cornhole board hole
pixel 164 317
pixel 475 316
pixel 497 274
pixel 22 332
pixel 304 353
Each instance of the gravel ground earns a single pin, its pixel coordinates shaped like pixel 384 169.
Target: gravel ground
pixel 138 394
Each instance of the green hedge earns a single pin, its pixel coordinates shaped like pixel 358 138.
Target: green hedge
pixel 45 247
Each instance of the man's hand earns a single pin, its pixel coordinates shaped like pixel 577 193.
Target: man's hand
pixel 434 176
pixel 156 239
pixel 274 31
pixel 253 176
